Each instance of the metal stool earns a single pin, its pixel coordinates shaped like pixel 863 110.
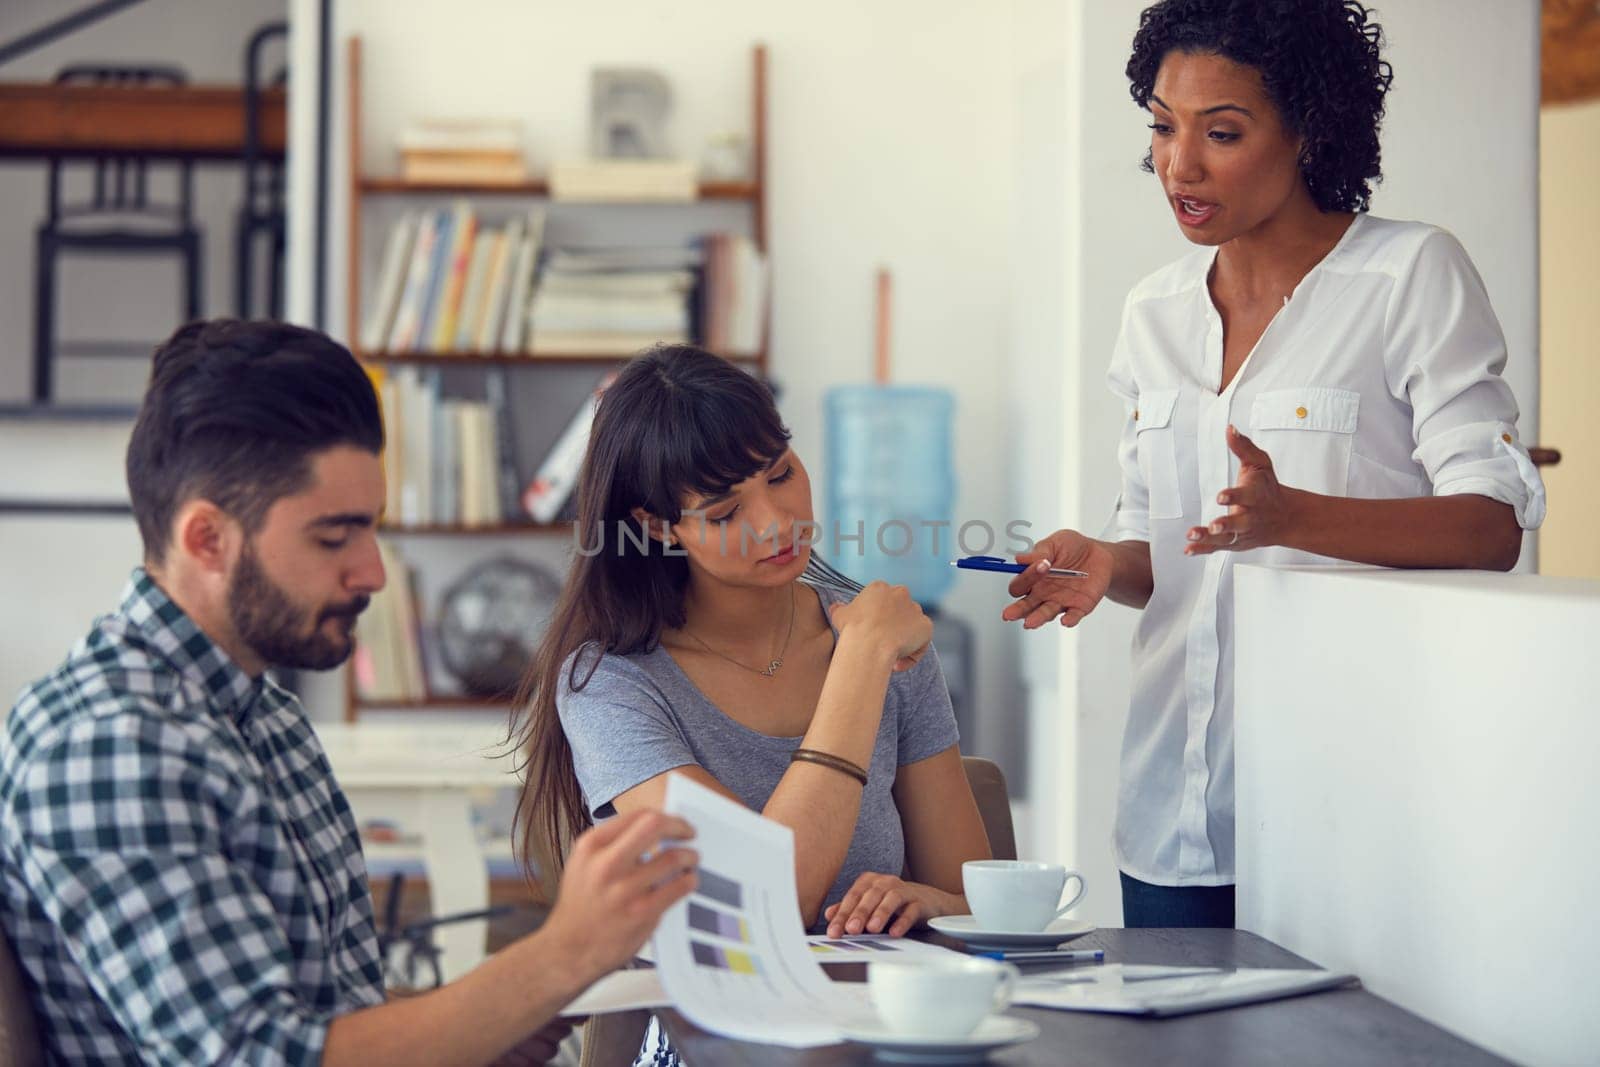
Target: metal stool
pixel 101 225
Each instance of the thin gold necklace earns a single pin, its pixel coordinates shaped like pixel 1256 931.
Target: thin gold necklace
pixel 777 660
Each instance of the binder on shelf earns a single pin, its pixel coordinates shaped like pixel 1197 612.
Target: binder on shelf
pixel 558 474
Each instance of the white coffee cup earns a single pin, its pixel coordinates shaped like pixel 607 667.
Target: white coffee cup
pixel 941 999
pixel 1017 896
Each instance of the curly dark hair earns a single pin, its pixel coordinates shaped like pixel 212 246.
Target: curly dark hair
pixel 1321 65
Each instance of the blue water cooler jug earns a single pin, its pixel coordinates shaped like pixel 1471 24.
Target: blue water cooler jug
pixel 891 470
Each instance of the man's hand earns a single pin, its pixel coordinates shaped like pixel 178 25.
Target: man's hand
pixel 617 882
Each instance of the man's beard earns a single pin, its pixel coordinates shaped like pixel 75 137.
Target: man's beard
pixel 267 621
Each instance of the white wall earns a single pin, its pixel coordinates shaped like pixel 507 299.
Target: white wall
pixel 1416 797
pixel 1459 150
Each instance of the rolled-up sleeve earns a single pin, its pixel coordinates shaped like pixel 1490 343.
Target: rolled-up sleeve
pixel 1132 520
pixel 1444 353
pixel 122 845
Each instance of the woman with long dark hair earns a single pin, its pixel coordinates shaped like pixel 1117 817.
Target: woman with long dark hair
pixel 685 642
pixel 1314 383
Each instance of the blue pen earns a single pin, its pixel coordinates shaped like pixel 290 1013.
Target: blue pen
pixel 995 563
pixel 1092 955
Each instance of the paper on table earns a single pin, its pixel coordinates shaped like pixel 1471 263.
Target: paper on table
pixel 864 948
pixel 733 955
pixel 1130 989
pixel 620 991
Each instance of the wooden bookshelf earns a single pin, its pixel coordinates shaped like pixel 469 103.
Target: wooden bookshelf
pixel 751 194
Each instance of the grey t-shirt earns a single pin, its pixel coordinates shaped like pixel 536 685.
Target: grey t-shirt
pixel 639 716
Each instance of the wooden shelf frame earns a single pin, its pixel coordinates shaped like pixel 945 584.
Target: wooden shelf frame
pixel 752 192
pixel 540 188
pixel 481 359
pixel 452 529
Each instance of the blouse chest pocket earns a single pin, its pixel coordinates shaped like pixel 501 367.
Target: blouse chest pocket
pixel 1309 433
pixel 1158 451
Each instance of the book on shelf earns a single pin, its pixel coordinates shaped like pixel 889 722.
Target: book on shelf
pixel 470 319
pixel 497 393
pixel 438 271
pixel 462 151
pixel 733 295
pixel 450 285
pixel 463 235
pixel 463 168
pixel 387 664
pixel 624 180
pixel 391 281
pixel 521 283
pixel 558 474
pixel 487 338
pixel 611 301
pixel 445 459
pixel 407 323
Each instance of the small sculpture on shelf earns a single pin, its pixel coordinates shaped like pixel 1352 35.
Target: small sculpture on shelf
pixel 628 113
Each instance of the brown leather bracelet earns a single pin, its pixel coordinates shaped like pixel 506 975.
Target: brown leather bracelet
pixel 832 762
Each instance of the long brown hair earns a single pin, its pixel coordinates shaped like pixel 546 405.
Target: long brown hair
pixel 677 421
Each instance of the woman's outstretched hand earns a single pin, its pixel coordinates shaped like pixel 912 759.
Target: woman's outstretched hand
pixel 1260 509
pixel 1041 597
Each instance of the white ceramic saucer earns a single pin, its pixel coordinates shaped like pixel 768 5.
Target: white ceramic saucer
pixel 965 928
pixel 997 1031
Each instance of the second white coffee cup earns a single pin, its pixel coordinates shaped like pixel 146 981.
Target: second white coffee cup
pixel 1017 896
pixel 943 999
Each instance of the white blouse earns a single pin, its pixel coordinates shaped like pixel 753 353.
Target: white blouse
pixel 1379 377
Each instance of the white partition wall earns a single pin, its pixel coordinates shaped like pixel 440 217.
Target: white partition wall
pixel 1417 793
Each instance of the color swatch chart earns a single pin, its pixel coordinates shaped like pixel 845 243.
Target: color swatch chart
pixel 716 911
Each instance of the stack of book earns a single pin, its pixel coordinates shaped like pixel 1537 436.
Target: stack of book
pixel 733 297
pixel 388 657
pixel 624 180
pixel 447 285
pixel 463 152
pixel 446 461
pixel 612 302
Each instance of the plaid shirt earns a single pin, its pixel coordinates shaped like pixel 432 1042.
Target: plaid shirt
pixel 183 883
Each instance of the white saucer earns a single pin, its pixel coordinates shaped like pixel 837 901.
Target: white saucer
pixel 965 928
pixel 997 1031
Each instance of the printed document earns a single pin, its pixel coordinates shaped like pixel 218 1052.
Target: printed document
pixel 733 955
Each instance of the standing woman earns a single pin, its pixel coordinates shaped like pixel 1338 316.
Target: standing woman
pixel 1313 383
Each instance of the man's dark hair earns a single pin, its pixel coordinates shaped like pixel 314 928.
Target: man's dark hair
pixel 1321 62
pixel 235 413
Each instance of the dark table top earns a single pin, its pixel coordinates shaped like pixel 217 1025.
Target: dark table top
pixel 1347 1026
